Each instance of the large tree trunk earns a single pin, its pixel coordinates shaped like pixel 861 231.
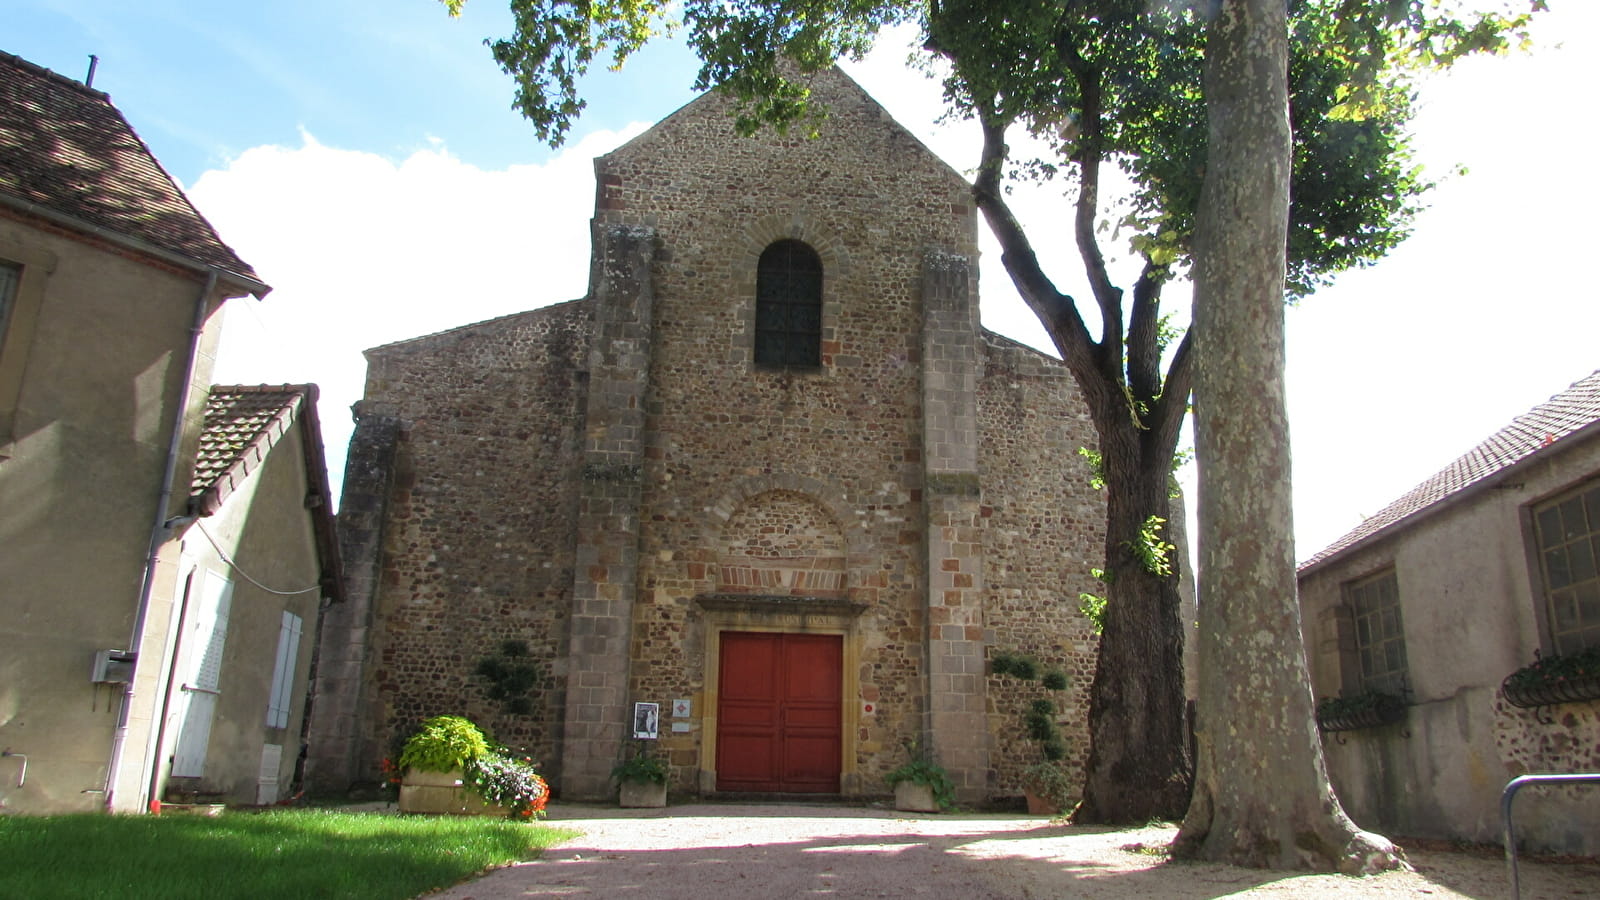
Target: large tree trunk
pixel 1261 794
pixel 1138 767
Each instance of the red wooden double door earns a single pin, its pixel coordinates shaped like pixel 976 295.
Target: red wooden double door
pixel 778 712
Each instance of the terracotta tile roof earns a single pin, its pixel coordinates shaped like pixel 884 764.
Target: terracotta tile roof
pixel 1535 432
pixel 64 147
pixel 242 425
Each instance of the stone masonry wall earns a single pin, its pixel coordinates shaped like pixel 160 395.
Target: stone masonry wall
pixel 478 547
pixel 782 543
pixel 619 529
pixel 1044 531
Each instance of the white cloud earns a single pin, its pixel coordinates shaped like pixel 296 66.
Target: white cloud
pixel 1488 309
pixel 362 251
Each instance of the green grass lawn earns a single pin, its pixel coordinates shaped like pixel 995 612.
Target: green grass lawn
pixel 277 853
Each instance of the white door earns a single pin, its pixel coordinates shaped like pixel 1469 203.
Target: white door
pixel 200 676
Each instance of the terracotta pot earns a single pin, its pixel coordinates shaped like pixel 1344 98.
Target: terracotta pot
pixel 1039 806
pixel 912 797
pixel 641 795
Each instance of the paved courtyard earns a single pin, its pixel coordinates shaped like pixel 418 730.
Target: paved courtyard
pixel 714 851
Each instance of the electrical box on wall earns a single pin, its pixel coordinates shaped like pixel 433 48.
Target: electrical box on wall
pixel 113 666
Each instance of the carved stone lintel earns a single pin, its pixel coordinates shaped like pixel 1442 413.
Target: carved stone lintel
pixel 766 604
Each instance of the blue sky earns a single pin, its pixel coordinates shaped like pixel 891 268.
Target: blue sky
pixel 363 156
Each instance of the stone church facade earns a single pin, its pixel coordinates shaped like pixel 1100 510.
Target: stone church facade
pixel 770 474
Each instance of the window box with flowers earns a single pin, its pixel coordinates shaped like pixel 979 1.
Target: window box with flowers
pixel 1364 709
pixel 1548 680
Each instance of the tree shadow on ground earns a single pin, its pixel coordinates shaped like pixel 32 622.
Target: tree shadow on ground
pixel 769 853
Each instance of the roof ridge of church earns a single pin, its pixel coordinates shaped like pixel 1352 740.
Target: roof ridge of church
pixel 834 71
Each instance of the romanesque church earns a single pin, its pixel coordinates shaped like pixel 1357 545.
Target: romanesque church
pixel 769 474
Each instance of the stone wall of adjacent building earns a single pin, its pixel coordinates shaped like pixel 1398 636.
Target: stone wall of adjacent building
pixel 1044 531
pixel 477 547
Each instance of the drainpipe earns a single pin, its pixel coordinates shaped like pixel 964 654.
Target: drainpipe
pixel 160 531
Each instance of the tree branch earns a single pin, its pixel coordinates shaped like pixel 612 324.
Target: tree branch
pixel 1056 311
pixel 1144 334
pixel 1168 410
pixel 1089 157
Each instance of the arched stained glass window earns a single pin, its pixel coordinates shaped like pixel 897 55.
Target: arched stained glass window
pixel 789 306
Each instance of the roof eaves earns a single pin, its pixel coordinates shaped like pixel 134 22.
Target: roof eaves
pixel 246 284
pixel 254 454
pixel 300 404
pixel 1488 481
pixel 319 499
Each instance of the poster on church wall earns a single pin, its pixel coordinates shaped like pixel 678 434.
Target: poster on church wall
pixel 646 720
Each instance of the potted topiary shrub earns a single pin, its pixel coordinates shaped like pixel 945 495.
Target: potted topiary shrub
pixel 1045 785
pixel 920 784
pixel 1047 788
pixel 641 781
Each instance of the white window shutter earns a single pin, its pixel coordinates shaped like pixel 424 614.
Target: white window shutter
pixel 205 636
pixel 282 699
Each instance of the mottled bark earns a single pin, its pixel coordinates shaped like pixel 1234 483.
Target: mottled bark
pixel 1261 794
pixel 1138 766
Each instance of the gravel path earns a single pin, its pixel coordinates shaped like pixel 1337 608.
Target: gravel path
pixel 716 851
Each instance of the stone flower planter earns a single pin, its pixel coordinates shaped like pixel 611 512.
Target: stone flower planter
pixel 912 797
pixel 641 794
pixel 442 793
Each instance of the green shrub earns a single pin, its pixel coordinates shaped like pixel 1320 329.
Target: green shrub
pixel 1049 783
pixel 1039 721
pixel 509 677
pixel 641 768
pixel 924 771
pixel 444 744
pixel 1554 669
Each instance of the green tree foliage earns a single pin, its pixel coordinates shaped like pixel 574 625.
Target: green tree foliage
pixel 1104 83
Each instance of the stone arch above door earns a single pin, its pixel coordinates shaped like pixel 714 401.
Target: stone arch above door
pixel 782 543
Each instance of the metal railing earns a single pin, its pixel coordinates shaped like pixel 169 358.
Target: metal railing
pixel 1510 794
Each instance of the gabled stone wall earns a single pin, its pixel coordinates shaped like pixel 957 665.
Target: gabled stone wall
pixel 615 482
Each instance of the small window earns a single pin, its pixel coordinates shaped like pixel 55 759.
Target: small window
pixel 1567 536
pixel 1380 636
pixel 789 306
